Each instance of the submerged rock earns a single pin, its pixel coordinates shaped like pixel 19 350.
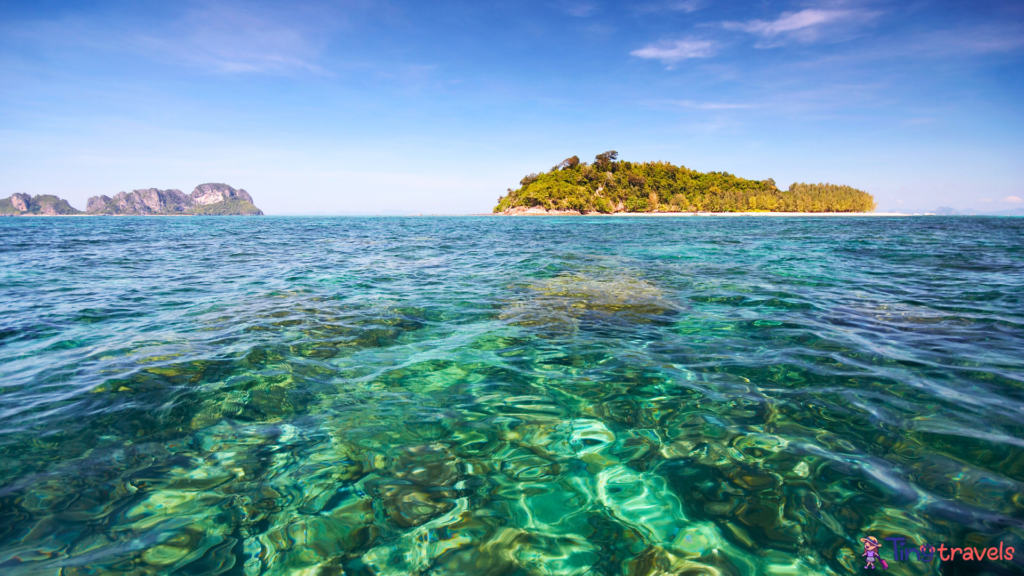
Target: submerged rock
pixel 569 301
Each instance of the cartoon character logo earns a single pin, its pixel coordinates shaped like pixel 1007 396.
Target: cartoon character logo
pixel 871 547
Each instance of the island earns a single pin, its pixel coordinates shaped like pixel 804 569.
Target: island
pixel 610 186
pixel 206 200
pixel 42 205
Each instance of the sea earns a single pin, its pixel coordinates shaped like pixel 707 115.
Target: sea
pixel 437 396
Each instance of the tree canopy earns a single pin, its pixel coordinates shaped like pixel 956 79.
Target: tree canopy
pixel 609 185
pixel 230 207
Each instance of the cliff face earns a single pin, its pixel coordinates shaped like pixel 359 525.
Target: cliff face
pixel 213 193
pixel 21 202
pixel 148 201
pixel 205 199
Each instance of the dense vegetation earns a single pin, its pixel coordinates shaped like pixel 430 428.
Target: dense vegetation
pixel 47 204
pixel 231 207
pixel 609 186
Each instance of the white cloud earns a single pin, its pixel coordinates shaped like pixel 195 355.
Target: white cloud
pixel 1014 199
pixel 229 37
pixel 804 26
pixel 688 6
pixel 712 105
pixel 217 36
pixel 674 51
pixel 788 21
pixel 580 10
pixel 676 6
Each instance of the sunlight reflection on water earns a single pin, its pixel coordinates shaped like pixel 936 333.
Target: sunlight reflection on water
pixel 505 396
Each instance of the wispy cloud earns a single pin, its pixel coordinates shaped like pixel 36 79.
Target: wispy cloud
pixel 920 121
pixel 686 6
pixel 803 26
pixel 983 39
pixel 674 51
pixel 822 103
pixel 712 105
pixel 227 37
pixel 1014 199
pixel 580 9
pixel 219 36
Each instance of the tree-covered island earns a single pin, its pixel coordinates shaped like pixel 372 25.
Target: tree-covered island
pixel 608 186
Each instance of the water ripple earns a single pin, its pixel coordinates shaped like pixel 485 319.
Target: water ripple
pixel 506 396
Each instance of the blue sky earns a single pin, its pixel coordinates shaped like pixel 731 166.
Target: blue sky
pixel 438 107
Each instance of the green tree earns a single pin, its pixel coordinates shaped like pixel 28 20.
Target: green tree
pixel 606 160
pixel 569 163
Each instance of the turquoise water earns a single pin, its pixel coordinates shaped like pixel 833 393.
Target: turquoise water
pixel 698 396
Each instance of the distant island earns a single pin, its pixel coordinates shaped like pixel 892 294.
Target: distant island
pixel 205 200
pixel 947 211
pixel 609 186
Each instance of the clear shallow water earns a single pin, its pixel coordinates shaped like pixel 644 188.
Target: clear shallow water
pixel 506 396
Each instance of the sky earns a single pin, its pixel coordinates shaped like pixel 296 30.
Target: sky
pixel 385 107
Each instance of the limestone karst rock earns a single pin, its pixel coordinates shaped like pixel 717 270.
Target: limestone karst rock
pixel 218 199
pixel 21 204
pixel 213 193
pixel 146 201
pixel 21 201
pixel 206 199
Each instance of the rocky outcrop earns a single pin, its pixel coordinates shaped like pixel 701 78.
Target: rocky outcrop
pixel 205 199
pixel 21 202
pixel 96 203
pixel 538 211
pixel 42 205
pixel 143 202
pixel 213 193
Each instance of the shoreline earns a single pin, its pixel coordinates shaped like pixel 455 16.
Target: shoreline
pixel 111 215
pixel 530 213
pixel 705 214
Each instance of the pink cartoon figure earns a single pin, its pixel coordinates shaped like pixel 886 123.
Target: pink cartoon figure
pixel 871 547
